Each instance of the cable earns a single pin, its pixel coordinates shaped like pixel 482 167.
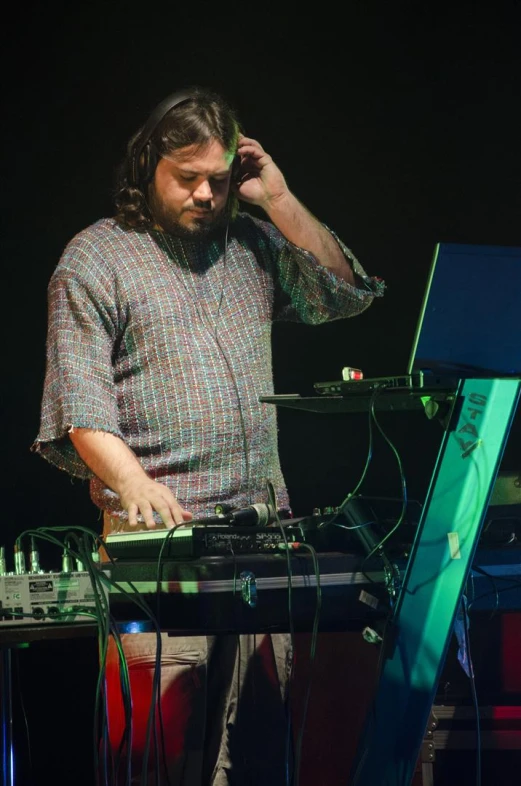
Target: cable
pixel 125 743
pixel 473 689
pixel 101 606
pixel 104 616
pixel 154 697
pixel 103 613
pixel 85 548
pixel 243 424
pixel 314 637
pixel 373 419
pixel 24 713
pixel 403 483
pixel 238 643
pixel 333 522
pixel 169 536
pixel 392 573
pixel 211 324
pixel 496 590
pixel 272 500
pixel 393 577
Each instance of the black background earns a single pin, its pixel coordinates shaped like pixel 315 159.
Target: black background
pixel 397 124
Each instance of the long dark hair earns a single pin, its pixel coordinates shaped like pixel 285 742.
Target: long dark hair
pixel 204 116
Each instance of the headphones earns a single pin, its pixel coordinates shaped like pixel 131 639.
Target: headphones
pixel 143 158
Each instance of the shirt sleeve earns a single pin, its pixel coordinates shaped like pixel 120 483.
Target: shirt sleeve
pixel 311 293
pixel 78 389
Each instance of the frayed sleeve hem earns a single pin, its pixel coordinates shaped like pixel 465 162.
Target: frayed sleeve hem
pixel 61 452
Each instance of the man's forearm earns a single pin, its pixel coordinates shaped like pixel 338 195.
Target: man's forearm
pixel 115 464
pixel 108 457
pixel 300 227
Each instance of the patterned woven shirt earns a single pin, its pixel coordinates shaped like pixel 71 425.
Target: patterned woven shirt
pixel 166 343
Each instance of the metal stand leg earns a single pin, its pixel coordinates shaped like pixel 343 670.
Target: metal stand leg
pixel 427 774
pixel 6 708
pixel 434 580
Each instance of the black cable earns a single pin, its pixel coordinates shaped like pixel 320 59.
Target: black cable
pixel 497 591
pixel 101 605
pixel 126 740
pixel 157 680
pixel 24 713
pixel 125 744
pixel 207 320
pixel 393 576
pixel 473 689
pixel 242 419
pixel 238 643
pixel 373 419
pixel 401 517
pixel 494 590
pixel 150 729
pixel 99 578
pixel 333 522
pixel 169 536
pixel 103 612
pixel 272 499
pixel 314 637
pixel 144 607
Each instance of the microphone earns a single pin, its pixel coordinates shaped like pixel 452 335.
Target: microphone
pixel 257 515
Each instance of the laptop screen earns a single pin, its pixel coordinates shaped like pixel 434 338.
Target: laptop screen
pixel 470 319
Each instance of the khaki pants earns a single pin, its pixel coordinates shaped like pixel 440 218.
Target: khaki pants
pixel 223 702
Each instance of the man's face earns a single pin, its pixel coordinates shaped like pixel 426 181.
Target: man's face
pixel 190 188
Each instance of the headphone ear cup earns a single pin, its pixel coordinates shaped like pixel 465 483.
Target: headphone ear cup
pixel 146 165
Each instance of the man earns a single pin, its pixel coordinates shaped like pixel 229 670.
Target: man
pixel 159 345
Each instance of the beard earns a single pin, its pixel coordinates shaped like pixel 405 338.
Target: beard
pixel 197 229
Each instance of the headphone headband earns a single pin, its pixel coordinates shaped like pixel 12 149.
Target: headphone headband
pixel 140 146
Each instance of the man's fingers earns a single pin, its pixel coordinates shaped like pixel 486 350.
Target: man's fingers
pixel 152 504
pixel 147 512
pixel 132 515
pixel 175 515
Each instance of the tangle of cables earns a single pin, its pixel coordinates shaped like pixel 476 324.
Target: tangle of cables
pixel 81 546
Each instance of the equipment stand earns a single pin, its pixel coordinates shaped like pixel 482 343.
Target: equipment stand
pixel 17 637
pixel 6 718
pixel 418 635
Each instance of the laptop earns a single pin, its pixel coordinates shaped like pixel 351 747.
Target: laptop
pixel 469 323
